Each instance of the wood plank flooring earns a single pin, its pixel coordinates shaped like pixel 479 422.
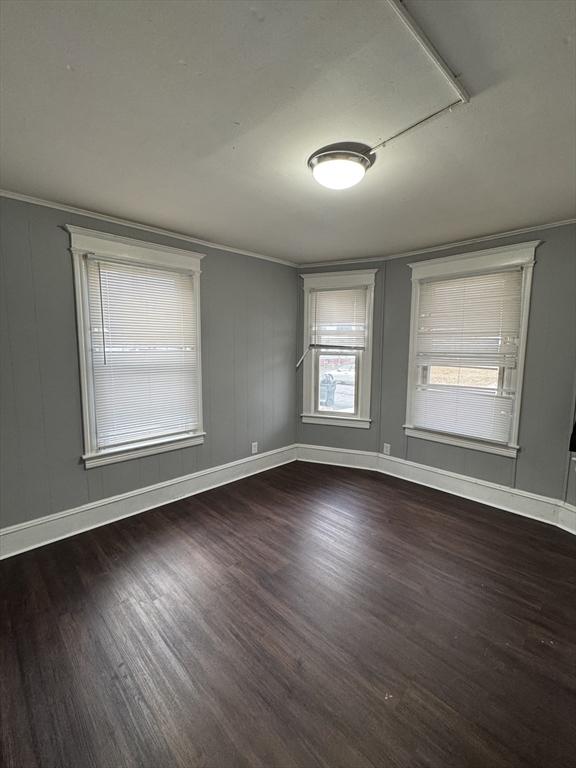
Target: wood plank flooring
pixel 308 616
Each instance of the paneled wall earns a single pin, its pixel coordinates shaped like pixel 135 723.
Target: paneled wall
pixel 249 321
pixel 251 339
pixel 549 381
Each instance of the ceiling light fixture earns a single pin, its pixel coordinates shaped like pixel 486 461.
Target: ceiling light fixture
pixel 340 166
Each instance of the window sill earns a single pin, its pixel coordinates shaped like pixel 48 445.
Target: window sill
pixel 336 421
pixel 149 448
pixel 475 445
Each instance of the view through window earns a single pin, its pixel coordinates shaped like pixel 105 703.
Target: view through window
pixel 460 376
pixel 337 382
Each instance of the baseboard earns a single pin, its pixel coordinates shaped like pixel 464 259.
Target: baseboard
pixel 547 510
pixel 566 516
pixel 44 530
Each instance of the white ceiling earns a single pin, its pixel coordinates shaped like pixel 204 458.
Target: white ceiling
pixel 199 117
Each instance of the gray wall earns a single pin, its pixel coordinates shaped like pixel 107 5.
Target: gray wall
pixel 250 337
pixel 249 315
pixel 548 398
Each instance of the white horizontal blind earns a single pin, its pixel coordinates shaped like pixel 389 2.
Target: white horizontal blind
pixel 471 321
pixel 144 352
pixel 338 318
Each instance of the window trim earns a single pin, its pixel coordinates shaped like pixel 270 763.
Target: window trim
pixel 517 256
pixel 462 442
pixel 336 421
pixel 334 281
pixel 88 244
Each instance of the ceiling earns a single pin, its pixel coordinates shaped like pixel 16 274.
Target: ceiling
pixel 198 117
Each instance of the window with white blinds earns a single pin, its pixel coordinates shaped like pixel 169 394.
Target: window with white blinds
pixel 141 349
pixel 337 348
pixel 144 353
pixel 339 318
pixel 467 347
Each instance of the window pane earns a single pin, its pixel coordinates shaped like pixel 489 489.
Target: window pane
pixel 486 378
pixel 337 383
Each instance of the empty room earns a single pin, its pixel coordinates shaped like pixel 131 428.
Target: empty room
pixel 288 383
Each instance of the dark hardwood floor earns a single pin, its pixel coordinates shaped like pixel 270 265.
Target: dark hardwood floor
pixel 308 616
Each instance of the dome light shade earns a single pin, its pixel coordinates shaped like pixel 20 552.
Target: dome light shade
pixel 340 166
pixel 338 172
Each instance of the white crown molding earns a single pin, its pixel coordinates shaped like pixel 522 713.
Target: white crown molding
pixel 142 227
pixel 299 265
pixel 44 530
pixel 441 247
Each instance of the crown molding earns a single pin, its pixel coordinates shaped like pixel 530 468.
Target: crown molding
pixel 441 247
pixel 143 227
pixel 285 262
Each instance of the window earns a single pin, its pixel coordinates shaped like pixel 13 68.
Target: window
pixel 467 344
pixel 138 312
pixel 337 344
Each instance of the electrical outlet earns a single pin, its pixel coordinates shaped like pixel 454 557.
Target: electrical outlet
pixel 386 449
pixel 254 447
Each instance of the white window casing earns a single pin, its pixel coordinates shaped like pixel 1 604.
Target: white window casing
pixel 338 319
pixel 138 321
pixel 469 316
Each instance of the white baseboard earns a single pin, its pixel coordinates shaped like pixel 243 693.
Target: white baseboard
pixel 44 530
pixel 543 508
pixel 566 516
